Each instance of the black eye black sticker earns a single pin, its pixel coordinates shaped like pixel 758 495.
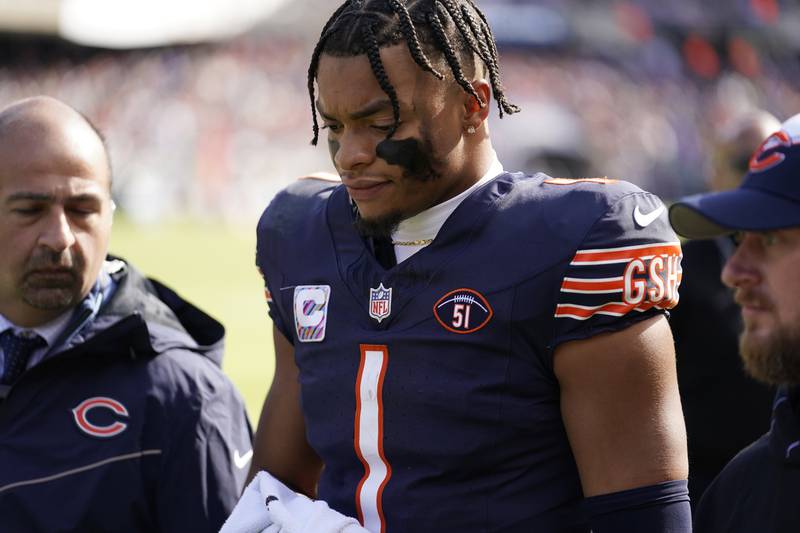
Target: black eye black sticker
pixel 409 154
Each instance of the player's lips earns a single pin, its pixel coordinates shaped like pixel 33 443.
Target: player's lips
pixel 362 189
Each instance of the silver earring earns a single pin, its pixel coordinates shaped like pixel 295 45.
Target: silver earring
pixel 471 130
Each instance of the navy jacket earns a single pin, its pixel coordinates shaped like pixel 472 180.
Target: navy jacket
pixel 130 427
pixel 758 490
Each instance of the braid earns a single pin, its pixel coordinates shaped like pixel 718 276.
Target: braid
pixel 312 72
pixel 449 53
pixel 466 32
pixel 491 62
pixel 374 56
pixel 497 87
pixel 456 29
pixel 475 37
pixel 407 27
pixel 490 40
pixel 312 68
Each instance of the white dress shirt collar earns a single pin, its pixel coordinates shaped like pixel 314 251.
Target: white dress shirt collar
pixel 49 331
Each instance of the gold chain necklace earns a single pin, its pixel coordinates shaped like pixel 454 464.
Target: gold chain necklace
pixel 419 242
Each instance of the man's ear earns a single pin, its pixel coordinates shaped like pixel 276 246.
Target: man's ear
pixel 476 112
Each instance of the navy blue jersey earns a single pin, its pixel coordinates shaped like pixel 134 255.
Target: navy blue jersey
pixel 428 388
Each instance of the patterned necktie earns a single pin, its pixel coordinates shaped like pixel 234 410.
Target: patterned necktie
pixel 17 350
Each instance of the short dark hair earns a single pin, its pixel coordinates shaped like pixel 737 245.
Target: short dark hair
pixel 456 29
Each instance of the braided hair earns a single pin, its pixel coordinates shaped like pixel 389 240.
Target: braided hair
pixel 455 29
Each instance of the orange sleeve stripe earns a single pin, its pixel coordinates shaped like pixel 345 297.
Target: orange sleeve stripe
pixel 589 285
pixel 592 256
pixel 614 309
pixel 599 286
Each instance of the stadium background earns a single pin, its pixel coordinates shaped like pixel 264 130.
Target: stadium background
pixel 205 109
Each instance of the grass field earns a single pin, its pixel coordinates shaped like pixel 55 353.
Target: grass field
pixel 212 265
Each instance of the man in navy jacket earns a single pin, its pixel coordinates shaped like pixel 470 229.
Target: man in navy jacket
pixel 757 489
pixel 114 413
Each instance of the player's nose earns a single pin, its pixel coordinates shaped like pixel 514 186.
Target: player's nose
pixel 354 151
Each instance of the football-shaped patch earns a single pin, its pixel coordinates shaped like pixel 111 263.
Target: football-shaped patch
pixel 462 311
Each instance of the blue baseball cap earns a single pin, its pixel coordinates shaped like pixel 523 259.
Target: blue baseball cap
pixel 767 199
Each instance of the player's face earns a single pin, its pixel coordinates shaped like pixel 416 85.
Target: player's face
pixel 55 222
pixel 422 164
pixel 763 271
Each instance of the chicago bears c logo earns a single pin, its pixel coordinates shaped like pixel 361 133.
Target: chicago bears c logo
pixel 759 163
pixel 81 414
pixel 462 311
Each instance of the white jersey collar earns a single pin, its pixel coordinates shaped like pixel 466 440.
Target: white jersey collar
pixel 423 227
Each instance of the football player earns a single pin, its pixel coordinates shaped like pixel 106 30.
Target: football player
pixel 458 347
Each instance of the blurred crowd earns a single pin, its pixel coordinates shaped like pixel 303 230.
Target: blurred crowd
pixel 207 130
pixel 215 130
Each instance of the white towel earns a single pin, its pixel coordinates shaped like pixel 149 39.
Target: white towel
pixel 269 506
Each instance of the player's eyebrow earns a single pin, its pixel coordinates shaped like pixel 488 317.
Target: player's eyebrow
pixel 376 106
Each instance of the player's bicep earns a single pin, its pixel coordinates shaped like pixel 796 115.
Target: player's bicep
pixel 280 444
pixel 621 409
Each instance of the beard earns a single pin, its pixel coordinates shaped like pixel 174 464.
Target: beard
pixel 776 360
pixel 53 280
pixel 378 228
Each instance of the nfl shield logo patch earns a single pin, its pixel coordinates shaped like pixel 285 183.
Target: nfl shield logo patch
pixel 380 302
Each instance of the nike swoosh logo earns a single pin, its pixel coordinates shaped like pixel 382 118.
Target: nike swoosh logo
pixel 643 220
pixel 241 460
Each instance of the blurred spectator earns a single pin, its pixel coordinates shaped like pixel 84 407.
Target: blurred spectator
pixel 735 145
pixel 724 408
pixel 216 130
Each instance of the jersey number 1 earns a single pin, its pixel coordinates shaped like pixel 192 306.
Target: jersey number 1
pixel 368 436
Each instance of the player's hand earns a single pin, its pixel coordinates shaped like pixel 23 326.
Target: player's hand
pixel 269 506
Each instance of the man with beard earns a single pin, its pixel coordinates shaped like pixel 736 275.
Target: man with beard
pixel 114 413
pixel 725 409
pixel 462 348
pixel 757 490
